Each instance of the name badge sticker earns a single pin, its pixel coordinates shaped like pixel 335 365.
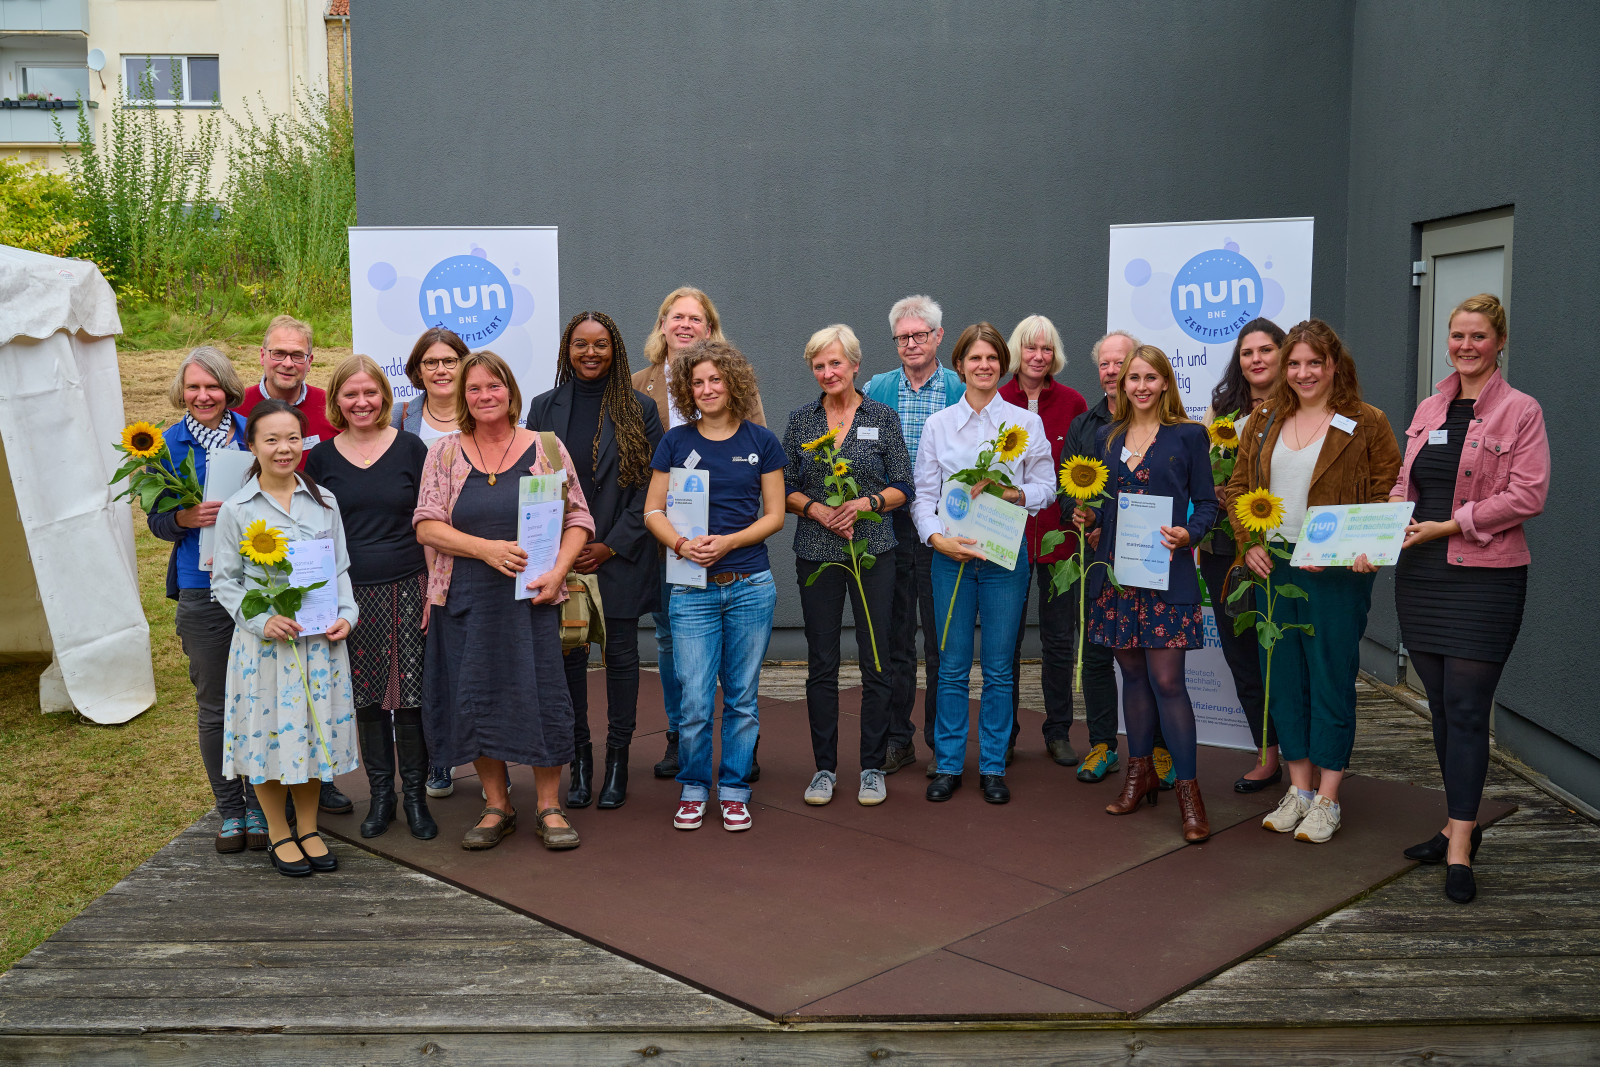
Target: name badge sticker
pixel 866 433
pixel 1127 454
pixel 1438 437
pixel 691 460
pixel 1342 423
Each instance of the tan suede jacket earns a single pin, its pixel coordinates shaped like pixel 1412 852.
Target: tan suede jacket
pixel 652 381
pixel 1358 467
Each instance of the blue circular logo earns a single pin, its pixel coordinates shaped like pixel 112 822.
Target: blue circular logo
pixel 1214 294
pixel 469 295
pixel 1322 527
pixel 1122 503
pixel 957 503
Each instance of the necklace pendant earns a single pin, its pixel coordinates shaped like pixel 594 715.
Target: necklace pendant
pixel 491 479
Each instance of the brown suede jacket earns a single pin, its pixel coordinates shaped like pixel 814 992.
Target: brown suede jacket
pixel 1356 467
pixel 652 381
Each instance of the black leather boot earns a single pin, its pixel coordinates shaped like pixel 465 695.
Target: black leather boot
pixel 580 786
pixel 755 762
pixel 412 749
pixel 377 756
pixel 615 789
pixel 668 767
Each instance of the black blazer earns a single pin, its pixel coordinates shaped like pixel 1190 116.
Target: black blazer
pixel 629 582
pixel 1179 461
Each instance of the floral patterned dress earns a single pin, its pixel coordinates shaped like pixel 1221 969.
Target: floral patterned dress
pixel 288 716
pixel 1139 618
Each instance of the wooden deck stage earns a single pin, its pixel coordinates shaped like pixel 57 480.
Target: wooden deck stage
pixel 188 961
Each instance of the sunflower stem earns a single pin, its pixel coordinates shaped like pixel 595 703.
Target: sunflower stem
pixel 951 609
pixel 311 704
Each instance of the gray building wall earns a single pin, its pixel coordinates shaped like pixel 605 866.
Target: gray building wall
pixel 1456 108
pixel 808 164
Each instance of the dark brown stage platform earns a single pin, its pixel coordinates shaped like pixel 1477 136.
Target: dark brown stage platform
pixel 1045 908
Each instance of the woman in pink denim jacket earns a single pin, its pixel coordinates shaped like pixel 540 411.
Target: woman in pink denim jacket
pixel 1477 466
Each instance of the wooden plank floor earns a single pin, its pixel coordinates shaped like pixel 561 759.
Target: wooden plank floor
pixel 189 961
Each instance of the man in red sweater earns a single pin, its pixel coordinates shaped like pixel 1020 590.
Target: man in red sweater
pixel 285 361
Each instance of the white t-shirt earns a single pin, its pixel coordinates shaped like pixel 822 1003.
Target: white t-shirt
pixel 1291 480
pixel 428 433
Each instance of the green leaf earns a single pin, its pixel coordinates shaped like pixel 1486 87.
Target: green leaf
pixel 1241 590
pixel 1244 622
pixel 1304 627
pixel 1051 540
pixel 813 576
pixel 867 560
pixel 1293 592
pixel 255 603
pixel 869 516
pixel 1281 553
pixel 1111 576
pixel 833 500
pixel 858 546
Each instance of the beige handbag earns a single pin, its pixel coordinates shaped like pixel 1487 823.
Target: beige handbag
pixel 583 619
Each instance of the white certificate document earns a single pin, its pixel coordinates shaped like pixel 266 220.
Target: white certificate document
pixel 313 562
pixel 689 511
pixel 227 470
pixel 1141 559
pixel 996 525
pixel 1335 534
pixel 540 511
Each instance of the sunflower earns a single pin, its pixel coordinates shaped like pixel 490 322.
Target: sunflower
pixel 841 468
pixel 1223 433
pixel 142 440
pixel 1083 478
pixel 822 442
pixel 1259 511
pixel 1011 442
pixel 264 544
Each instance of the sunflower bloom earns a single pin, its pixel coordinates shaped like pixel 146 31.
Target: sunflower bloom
pixel 1259 511
pixel 824 441
pixel 1083 478
pixel 142 440
pixel 264 544
pixel 841 468
pixel 1223 433
pixel 1013 439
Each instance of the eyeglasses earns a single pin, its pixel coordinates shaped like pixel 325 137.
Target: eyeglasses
pixel 285 355
pixel 447 363
pixel 901 340
pixel 600 347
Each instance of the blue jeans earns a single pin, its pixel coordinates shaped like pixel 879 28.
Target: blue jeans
pixel 722 632
pixel 671 692
pixel 998 597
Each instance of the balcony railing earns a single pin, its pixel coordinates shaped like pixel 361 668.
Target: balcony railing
pixel 45 16
pixel 25 122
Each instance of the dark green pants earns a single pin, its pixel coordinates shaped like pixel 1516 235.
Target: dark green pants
pixel 1312 694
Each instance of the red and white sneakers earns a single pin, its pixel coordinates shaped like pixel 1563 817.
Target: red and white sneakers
pixel 735 815
pixel 689 814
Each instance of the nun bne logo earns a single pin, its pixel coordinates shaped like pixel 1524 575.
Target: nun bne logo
pixel 1216 293
pixel 467 294
pixel 1322 527
pixel 957 503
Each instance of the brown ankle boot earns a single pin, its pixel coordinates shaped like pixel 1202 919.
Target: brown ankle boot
pixel 1193 809
pixel 1141 782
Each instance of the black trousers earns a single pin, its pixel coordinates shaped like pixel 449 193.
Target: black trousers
pixel 622 684
pixel 1242 651
pixel 206 630
pixel 822 604
pixel 913 596
pixel 1460 699
pixel 1058 633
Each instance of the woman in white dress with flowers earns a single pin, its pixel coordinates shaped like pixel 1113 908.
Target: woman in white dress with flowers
pixel 273 734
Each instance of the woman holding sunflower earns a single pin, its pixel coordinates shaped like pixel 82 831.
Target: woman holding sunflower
pixel 205 388
pixel 1007 448
pixel 1312 442
pixel 1244 387
pixel 290 714
pixel 1152 448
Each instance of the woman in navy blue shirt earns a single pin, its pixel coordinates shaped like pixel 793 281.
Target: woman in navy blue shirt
pixel 721 630
pixel 1152 448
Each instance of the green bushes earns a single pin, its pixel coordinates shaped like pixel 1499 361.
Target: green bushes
pixel 36 209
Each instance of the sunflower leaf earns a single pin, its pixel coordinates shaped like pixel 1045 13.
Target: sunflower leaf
pixel 1293 592
pixel 1051 540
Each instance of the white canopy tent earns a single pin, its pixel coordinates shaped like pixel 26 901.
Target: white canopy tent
pixel 71 591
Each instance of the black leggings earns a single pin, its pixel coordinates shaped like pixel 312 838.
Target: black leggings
pixel 1153 689
pixel 1460 697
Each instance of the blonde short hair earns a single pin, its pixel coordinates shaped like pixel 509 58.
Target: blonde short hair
pixel 1033 329
pixel 501 370
pixel 288 322
pixel 837 334
pixel 213 362
pixel 348 368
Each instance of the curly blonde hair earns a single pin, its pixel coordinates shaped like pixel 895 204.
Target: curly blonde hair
pixel 737 374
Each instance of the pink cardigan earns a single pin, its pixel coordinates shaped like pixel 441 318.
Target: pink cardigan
pixel 1504 475
pixel 445 472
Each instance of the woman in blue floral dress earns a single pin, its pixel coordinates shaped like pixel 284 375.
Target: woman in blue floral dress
pixel 289 719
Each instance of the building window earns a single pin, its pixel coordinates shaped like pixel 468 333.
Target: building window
pixel 63 82
pixel 174 80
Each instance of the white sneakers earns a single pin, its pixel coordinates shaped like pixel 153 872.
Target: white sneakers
pixel 691 813
pixel 1315 821
pixel 820 791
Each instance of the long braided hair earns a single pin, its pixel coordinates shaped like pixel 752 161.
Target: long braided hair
pixel 633 447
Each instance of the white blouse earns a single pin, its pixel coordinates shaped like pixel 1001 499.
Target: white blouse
pixel 951 440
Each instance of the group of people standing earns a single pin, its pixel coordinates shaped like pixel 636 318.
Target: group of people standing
pixel 435 662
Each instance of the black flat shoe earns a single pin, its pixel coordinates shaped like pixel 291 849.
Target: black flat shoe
pixel 943 786
pixel 994 788
pixel 1459 884
pixel 323 863
pixel 1436 847
pixel 1256 785
pixel 297 869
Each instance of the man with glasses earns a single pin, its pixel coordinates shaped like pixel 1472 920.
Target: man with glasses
pixel 285 362
pixel 916 390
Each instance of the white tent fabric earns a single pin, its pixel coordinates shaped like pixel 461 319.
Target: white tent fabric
pixel 60 412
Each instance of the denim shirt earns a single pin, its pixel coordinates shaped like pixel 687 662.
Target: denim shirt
pixel 877 464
